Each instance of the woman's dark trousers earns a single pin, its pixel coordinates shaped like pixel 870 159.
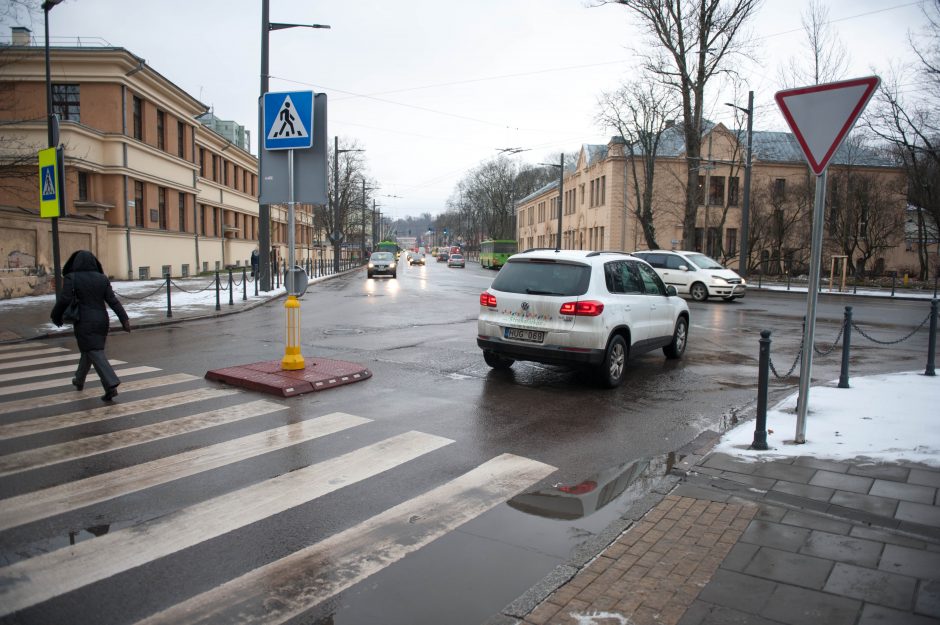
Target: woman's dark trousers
pixel 99 360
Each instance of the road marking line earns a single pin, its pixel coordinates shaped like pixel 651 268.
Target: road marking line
pixel 16 346
pixel 285 588
pixel 6 377
pixel 32 352
pixel 29 459
pixel 113 411
pixel 39 361
pixel 64 398
pixel 92 377
pixel 28 582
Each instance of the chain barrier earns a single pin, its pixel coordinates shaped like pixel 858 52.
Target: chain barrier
pixel 122 296
pixel 796 361
pixel 832 347
pixel 206 288
pixel 902 339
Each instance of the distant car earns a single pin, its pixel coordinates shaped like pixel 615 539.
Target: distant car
pixel 695 274
pixel 383 264
pixel 442 257
pixel 455 260
pixel 416 259
pixel 579 308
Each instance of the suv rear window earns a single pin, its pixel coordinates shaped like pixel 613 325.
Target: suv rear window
pixel 535 277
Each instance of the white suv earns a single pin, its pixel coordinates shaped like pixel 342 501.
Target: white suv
pixel 579 308
pixel 695 274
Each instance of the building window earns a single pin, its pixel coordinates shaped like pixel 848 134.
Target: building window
pixel 780 189
pixel 138 119
pixel 700 196
pixel 202 162
pixel 603 194
pixel 161 130
pixel 731 241
pixel 732 191
pixel 65 102
pixel 182 212
pixel 139 203
pixel 224 172
pixel 82 186
pixel 181 139
pixel 161 207
pixel 716 191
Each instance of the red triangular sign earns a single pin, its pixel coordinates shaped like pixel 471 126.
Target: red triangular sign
pixel 821 116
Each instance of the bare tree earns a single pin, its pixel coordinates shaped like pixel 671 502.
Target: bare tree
pixel 694 40
pixel 824 58
pixel 345 196
pixel 641 112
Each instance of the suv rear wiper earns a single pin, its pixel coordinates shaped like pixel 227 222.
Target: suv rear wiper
pixel 537 292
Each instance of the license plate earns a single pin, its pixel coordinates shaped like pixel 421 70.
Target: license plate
pixel 521 334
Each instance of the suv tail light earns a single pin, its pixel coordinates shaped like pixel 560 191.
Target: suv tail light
pixel 587 308
pixel 487 299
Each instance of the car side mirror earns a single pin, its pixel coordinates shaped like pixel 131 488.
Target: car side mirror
pixel 683 268
pixel 671 291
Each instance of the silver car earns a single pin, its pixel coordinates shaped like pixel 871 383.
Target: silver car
pixel 382 264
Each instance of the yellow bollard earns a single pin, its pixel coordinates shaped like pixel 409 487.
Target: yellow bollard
pixel 293 360
pixel 906 278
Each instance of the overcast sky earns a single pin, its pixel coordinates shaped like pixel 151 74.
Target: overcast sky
pixel 432 88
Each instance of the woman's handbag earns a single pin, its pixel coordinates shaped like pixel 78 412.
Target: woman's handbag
pixel 72 312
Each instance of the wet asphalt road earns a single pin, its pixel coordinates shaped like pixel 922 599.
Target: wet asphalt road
pixel 417 336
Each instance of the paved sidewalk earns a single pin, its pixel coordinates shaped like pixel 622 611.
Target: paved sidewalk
pixel 793 540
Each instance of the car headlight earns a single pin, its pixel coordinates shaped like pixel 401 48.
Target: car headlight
pixel 391 265
pixel 371 265
pixel 719 280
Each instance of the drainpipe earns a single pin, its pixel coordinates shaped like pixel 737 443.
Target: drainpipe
pixel 127 210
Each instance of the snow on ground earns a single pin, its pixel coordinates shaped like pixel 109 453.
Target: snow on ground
pixel 882 417
pixel 901 293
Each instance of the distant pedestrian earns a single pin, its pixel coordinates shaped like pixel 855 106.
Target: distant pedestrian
pixel 255 260
pixel 84 280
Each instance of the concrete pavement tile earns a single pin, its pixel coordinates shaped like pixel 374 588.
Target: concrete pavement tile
pixel 816 522
pixel 786 537
pixel 799 606
pixel 911 562
pixel 880 615
pixel 788 472
pixel 816 463
pixel 734 590
pixel 838 481
pixel 870 533
pixel 727 616
pixel 928 599
pixel 696 613
pixel 770 513
pixel 739 556
pixel 803 490
pixel 918 513
pixel 924 477
pixel 700 492
pixel 724 462
pixel 843 549
pixel 872 586
pixel 867 503
pixel 893 472
pixel 789 568
pixel 754 481
pixel 903 491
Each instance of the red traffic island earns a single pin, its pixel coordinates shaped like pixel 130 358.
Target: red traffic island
pixel 268 377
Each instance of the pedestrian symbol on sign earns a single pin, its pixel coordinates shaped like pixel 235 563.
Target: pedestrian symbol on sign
pixel 48 183
pixel 290 125
pixel 288 120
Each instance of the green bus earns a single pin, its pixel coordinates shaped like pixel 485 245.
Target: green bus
pixel 387 246
pixel 493 254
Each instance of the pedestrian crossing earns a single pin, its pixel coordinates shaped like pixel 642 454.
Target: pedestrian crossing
pixel 46 425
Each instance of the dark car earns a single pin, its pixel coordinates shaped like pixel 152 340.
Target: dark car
pixel 442 257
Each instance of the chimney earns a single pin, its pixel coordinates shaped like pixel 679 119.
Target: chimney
pixel 670 123
pixel 20 36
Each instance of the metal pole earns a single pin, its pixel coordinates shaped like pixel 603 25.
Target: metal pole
pixel 244 284
pixel 763 380
pixel 231 289
pixel 264 211
pixel 932 340
pixel 291 287
pixel 746 208
pixel 812 294
pixel 50 131
pixel 846 347
pixel 561 186
pixel 218 304
pixel 169 307
pixel 335 204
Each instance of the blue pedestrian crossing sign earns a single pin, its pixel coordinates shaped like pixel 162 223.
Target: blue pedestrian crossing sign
pixel 288 120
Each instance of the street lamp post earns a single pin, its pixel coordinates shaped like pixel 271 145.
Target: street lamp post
pixel 746 206
pixel 336 236
pixel 52 132
pixel 264 211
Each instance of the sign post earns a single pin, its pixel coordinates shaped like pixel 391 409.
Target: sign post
pixel 820 117
pixel 288 125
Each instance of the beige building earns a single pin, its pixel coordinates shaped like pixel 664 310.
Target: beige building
pixel 600 200
pixel 148 188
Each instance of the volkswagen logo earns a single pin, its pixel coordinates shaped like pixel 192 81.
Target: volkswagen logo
pixel 525 306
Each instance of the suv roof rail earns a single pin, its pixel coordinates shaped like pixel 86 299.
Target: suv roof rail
pixel 539 249
pixel 599 252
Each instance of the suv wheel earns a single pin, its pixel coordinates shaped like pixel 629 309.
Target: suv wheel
pixel 496 361
pixel 699 292
pixel 679 338
pixel 615 361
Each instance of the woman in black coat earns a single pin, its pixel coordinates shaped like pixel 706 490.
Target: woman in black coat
pixel 84 280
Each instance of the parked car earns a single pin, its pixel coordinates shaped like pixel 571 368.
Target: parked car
pixel 382 263
pixel 416 259
pixel 456 260
pixel 695 274
pixel 580 308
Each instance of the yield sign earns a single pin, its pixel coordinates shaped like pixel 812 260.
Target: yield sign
pixel 822 115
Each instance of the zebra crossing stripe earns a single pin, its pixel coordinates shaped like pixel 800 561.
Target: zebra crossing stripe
pixel 92 490
pixel 92 378
pixel 103 413
pixel 6 377
pixel 64 398
pixel 29 459
pixel 19 346
pixel 28 582
pixel 29 353
pixel 39 361
pixel 285 588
